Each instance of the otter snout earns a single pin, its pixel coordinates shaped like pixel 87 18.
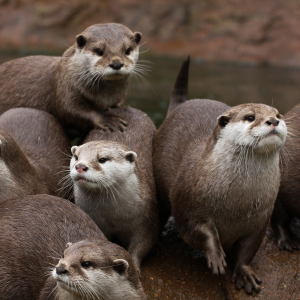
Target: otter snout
pixel 81 168
pixel 272 122
pixel 61 270
pixel 116 65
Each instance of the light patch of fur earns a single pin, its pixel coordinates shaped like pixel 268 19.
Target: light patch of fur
pixel 110 195
pixel 8 186
pixel 245 165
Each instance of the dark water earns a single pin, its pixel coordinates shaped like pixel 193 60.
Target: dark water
pixel 175 271
pixel 226 83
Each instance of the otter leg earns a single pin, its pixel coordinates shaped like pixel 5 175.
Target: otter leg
pixel 139 247
pixel 280 222
pixel 206 237
pixel 87 117
pixel 243 252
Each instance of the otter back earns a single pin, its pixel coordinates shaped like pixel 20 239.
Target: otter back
pixel 34 149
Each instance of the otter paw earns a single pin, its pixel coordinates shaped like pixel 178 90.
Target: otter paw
pixel 216 262
pixel 244 277
pixel 288 242
pixel 112 124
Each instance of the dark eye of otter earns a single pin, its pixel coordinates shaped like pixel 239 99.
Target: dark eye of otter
pixel 98 52
pixel 128 51
pixel 278 116
pixel 250 118
pixel 76 157
pixel 86 264
pixel 102 160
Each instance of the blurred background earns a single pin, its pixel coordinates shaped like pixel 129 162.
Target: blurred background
pixel 241 50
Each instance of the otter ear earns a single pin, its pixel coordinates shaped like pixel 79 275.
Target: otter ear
pixel 73 149
pixel 223 120
pixel 137 37
pixel 130 156
pixel 68 245
pixel 81 40
pixel 120 266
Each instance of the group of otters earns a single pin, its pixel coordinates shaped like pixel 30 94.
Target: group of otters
pixel 216 169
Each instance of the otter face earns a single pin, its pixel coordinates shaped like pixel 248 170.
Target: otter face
pixel 99 165
pixel 257 126
pixel 106 52
pixel 87 268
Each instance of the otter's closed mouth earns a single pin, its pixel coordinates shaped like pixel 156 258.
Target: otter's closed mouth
pixel 273 132
pixel 83 179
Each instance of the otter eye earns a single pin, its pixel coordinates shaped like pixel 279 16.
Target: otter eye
pixel 127 52
pixel 278 116
pixel 250 118
pixel 98 51
pixel 86 264
pixel 75 157
pixel 102 160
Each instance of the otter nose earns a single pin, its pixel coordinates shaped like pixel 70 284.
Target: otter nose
pixel 116 65
pixel 61 271
pixel 81 168
pixel 272 122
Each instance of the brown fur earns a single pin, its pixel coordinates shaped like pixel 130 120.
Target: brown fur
pixel 287 203
pixel 214 204
pixel 35 231
pixel 53 84
pixel 138 138
pixel 34 148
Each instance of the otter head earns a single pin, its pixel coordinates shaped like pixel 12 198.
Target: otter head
pixel 101 164
pixel 256 126
pixel 106 51
pixel 96 268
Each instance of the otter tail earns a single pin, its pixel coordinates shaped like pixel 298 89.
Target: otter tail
pixel 179 94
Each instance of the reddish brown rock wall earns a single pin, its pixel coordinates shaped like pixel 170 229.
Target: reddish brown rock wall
pixel 255 32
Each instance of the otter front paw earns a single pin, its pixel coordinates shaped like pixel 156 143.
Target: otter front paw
pixel 245 277
pixel 112 124
pixel 216 261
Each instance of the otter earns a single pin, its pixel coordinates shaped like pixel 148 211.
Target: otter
pixel 219 168
pixel 51 249
pixel 113 182
pixel 90 77
pixel 287 203
pixel 34 153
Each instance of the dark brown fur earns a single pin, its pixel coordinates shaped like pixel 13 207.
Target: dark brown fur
pixel 287 204
pixel 35 231
pixel 35 150
pixel 52 83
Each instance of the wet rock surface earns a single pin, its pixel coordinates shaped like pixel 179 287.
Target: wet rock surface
pixel 252 32
pixel 176 271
